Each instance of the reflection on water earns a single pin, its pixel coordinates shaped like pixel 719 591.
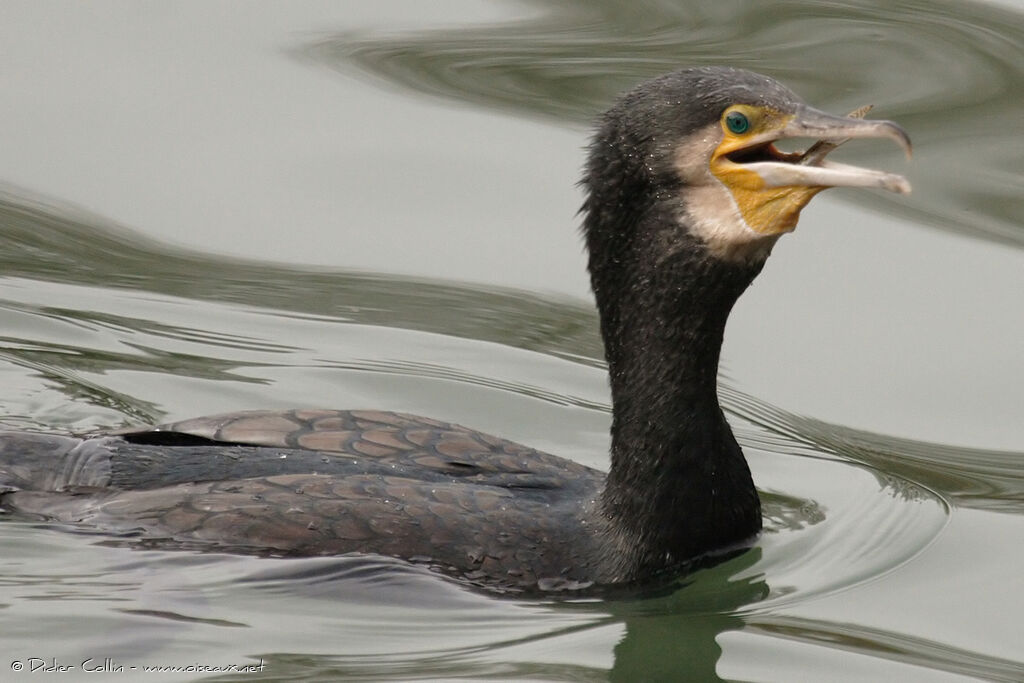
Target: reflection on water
pixel 230 350
pixel 895 646
pixel 950 72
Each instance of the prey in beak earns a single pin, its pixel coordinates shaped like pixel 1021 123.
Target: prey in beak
pixel 769 186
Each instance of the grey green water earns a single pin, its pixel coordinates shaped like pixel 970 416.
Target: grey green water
pixel 215 206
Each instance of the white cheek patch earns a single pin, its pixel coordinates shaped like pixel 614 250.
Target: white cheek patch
pixel 709 211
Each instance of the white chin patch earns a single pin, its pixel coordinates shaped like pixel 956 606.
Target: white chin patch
pixel 708 210
pixel 710 213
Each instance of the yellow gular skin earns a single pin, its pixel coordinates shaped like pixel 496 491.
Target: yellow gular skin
pixel 767 210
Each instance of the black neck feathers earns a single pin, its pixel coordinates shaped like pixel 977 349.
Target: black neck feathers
pixel 679 485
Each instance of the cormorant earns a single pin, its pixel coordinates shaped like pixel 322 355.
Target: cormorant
pixel 686 195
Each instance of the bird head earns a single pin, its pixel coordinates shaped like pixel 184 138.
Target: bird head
pixel 701 144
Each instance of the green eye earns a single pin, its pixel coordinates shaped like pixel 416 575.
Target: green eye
pixel 737 123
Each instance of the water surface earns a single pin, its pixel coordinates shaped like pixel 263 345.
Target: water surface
pixel 216 206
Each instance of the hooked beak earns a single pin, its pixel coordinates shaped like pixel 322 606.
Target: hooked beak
pixel 771 187
pixel 811 123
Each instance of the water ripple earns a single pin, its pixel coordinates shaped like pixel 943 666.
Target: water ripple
pixel 951 72
pixel 969 477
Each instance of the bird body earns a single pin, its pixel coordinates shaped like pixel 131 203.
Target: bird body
pixel 320 482
pixel 685 197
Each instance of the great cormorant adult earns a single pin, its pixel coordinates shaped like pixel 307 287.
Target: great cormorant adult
pixel 686 195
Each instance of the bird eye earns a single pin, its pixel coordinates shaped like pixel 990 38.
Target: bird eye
pixel 737 123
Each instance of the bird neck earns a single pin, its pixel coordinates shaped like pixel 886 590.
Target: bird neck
pixel 678 485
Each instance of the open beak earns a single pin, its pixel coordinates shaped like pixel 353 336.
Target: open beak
pixel 788 170
pixel 771 187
